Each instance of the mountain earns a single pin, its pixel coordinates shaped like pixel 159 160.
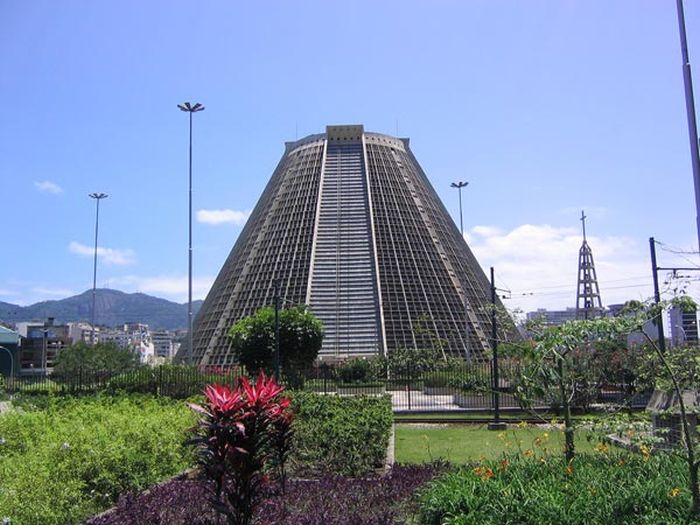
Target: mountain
pixel 112 308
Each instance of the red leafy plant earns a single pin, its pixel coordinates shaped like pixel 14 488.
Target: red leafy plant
pixel 242 432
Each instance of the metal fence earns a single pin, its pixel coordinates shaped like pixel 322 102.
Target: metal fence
pixel 460 388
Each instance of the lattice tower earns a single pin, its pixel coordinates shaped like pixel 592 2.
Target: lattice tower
pixel 588 303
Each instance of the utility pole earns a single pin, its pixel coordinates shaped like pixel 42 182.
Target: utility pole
pixel 657 295
pixel 655 269
pixel 496 424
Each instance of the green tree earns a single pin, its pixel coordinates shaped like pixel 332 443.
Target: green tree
pixel 253 338
pixel 103 357
pixel 567 364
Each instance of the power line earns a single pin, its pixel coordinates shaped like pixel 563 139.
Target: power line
pixel 569 285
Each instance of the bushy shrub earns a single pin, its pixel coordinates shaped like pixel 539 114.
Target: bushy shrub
pixel 358 371
pixel 439 379
pixel 175 381
pixel 345 435
pixel 73 458
pixel 107 357
pixel 598 489
pixel 470 382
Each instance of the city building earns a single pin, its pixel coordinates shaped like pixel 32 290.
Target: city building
pixel 135 336
pixel 350 225
pixel 164 345
pixel 552 317
pixel 684 326
pixel 81 332
pixel 41 344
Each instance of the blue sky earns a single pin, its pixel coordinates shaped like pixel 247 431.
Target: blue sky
pixel 545 107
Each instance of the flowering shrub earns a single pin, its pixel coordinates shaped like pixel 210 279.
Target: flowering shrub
pixel 240 432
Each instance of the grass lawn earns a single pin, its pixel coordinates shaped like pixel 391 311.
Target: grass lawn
pixel 421 443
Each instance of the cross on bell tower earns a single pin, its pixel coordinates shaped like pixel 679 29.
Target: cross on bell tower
pixel 588 304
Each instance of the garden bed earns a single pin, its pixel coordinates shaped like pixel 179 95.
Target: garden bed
pixel 594 489
pixel 330 500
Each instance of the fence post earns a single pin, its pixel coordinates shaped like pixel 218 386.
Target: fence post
pixel 408 386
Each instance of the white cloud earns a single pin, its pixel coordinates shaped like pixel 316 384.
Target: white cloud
pixel 54 292
pixel 172 287
pixel 539 264
pixel 106 255
pixel 216 217
pixel 46 186
pixel 485 231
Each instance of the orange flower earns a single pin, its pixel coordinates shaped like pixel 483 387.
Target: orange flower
pixel 675 492
pixel 569 469
pixel 504 464
pixel 602 448
pixel 528 453
pixel 645 451
pixel 483 472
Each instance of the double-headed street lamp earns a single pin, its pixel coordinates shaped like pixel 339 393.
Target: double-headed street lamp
pixel 98 197
pixel 189 108
pixel 459 185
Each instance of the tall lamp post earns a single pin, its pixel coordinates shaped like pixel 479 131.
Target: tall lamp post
pixel 190 108
pixel 98 197
pixel 690 112
pixel 459 185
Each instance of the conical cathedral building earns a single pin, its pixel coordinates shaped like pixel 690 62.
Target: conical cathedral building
pixel 350 225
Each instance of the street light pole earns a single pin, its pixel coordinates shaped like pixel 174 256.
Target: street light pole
pixel 189 108
pixel 459 185
pixel 98 197
pixel 690 112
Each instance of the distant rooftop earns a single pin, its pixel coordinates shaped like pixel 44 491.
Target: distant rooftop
pixel 8 337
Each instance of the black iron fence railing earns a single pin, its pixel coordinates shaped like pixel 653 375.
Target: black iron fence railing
pixel 459 388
